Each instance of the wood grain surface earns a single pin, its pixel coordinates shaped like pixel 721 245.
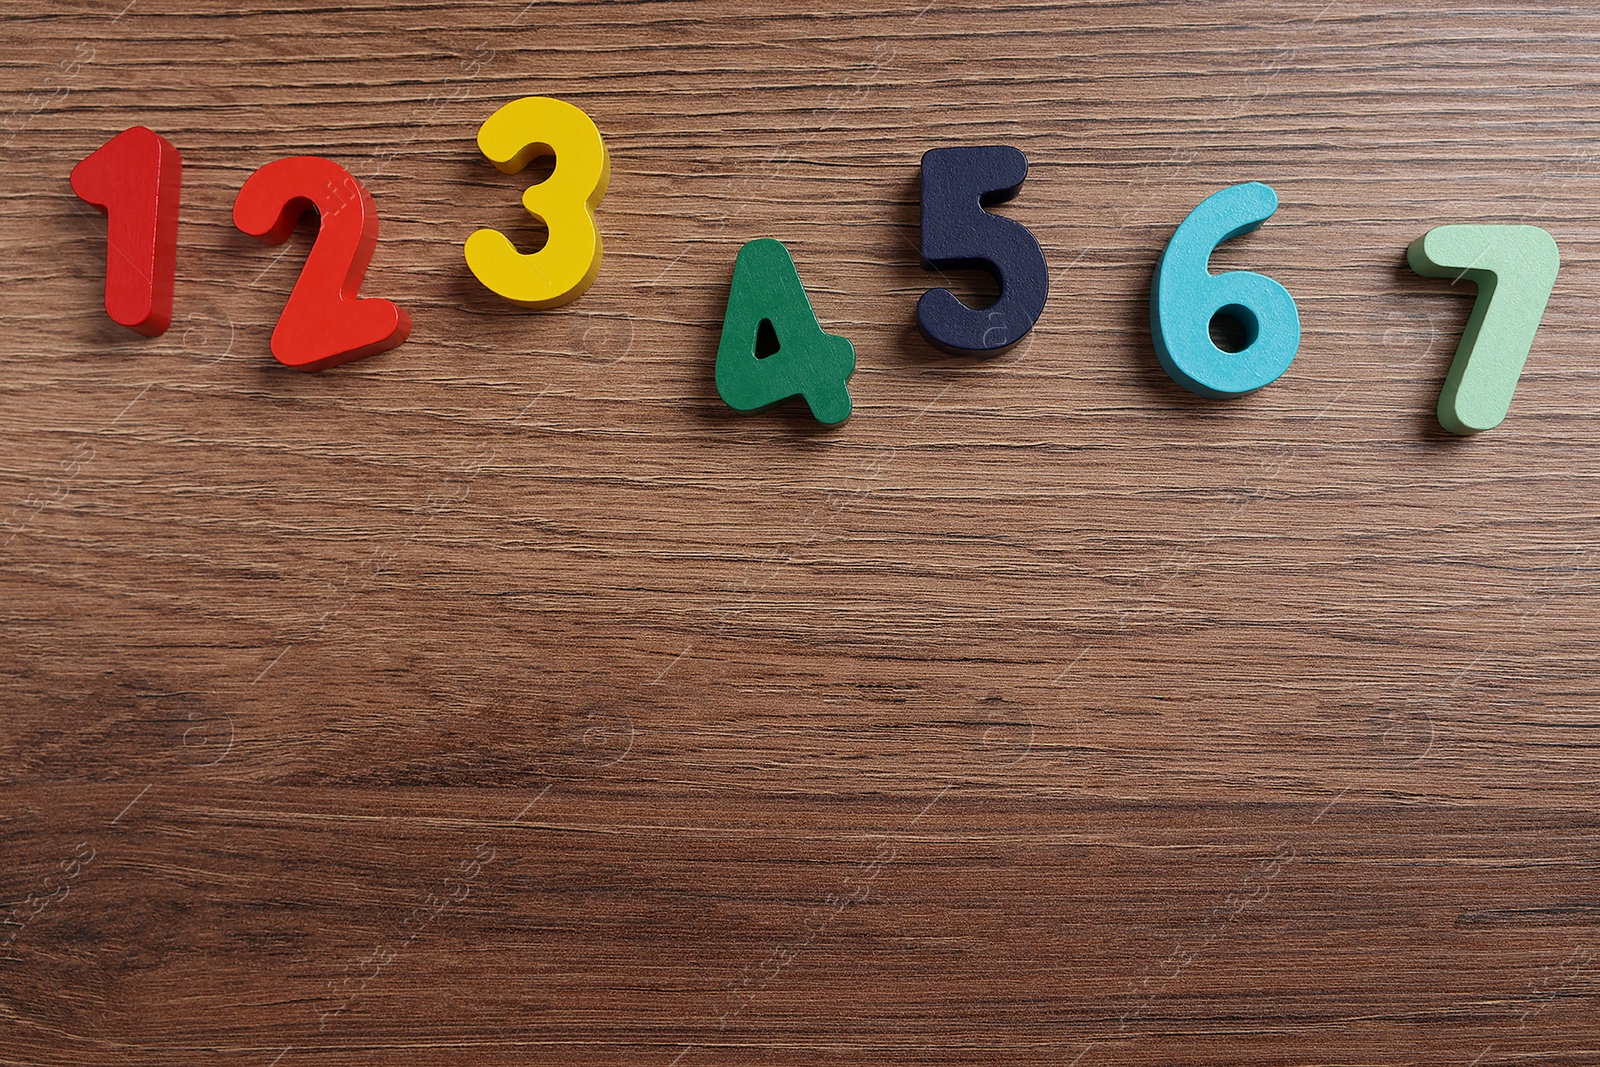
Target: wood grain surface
pixel 506 699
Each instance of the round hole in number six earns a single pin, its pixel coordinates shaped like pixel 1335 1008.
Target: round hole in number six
pixel 772 347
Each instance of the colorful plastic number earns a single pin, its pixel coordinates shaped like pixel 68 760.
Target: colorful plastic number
pixel 325 322
pixel 1185 297
pixel 134 179
pixel 1515 269
pixel 957 233
pixel 565 202
pixel 772 347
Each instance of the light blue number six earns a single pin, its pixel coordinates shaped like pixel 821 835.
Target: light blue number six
pixel 1185 297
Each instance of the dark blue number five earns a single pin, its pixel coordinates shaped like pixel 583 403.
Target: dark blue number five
pixel 957 233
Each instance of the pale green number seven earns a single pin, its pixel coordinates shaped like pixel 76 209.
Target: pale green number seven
pixel 1515 270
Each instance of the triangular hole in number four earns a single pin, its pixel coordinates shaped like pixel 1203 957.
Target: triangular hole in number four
pixel 766 340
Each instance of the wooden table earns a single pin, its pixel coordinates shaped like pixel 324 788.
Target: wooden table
pixel 506 699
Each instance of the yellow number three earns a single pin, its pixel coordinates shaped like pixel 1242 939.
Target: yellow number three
pixel 565 267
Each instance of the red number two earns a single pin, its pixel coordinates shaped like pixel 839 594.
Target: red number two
pixel 325 323
pixel 133 179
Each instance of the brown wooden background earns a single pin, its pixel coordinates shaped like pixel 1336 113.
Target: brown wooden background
pixel 505 699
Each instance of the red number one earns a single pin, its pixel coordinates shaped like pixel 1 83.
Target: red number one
pixel 133 179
